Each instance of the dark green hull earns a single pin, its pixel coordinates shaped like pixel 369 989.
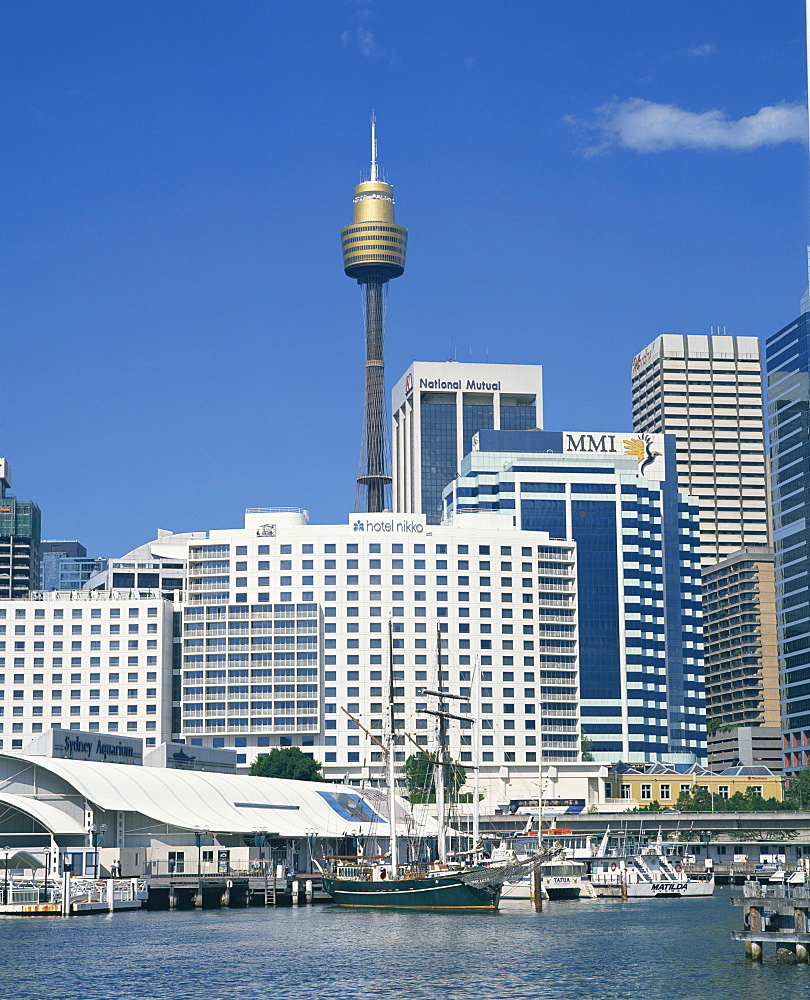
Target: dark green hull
pixel 442 892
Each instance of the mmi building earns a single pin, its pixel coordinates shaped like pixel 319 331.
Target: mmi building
pixel 615 496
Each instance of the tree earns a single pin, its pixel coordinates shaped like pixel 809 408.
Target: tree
pixel 585 746
pixel 420 777
pixel 797 790
pixel 286 762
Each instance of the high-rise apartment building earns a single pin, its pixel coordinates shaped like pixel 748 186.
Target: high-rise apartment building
pixel 19 541
pixel 739 638
pixel 99 662
pixel 788 366
pixel 616 497
pixel 708 392
pixel 437 408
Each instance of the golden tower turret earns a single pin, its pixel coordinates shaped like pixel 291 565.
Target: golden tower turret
pixel 373 253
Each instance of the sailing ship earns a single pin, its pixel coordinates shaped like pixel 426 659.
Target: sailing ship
pixel 442 884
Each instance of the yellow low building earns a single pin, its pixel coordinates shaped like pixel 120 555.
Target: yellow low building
pixel 664 785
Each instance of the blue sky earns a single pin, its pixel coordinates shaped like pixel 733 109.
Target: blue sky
pixel 178 339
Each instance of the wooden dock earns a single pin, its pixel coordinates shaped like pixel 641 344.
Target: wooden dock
pixel 777 915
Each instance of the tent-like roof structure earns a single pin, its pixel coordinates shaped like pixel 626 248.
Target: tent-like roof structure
pixel 50 816
pixel 659 768
pixel 698 769
pixel 225 803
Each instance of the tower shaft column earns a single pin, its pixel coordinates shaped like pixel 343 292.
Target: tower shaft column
pixel 374 473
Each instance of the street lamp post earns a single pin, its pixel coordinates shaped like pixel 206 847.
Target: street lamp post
pixel 97 834
pixel 7 851
pixel 259 837
pixel 200 837
pixel 312 837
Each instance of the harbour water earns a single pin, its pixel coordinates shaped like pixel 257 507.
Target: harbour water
pixel 575 950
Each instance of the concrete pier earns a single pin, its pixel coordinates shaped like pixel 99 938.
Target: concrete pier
pixel 778 915
pixel 180 891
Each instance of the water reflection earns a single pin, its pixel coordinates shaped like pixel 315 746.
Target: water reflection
pixel 589 949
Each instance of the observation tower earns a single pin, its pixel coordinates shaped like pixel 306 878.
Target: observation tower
pixel 373 253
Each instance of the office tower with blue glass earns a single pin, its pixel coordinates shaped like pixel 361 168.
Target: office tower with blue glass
pixel 787 355
pixel 20 522
pixel 374 253
pixel 638 584
pixel 437 409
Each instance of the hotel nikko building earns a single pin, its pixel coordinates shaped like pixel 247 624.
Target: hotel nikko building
pixel 638 574
pixel 277 634
pixel 286 640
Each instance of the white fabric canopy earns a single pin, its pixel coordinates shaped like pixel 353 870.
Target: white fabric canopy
pixel 51 817
pixel 225 803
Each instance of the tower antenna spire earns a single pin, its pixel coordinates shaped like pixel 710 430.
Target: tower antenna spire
pixel 374 176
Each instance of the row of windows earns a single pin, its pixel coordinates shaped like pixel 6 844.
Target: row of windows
pixel 56 710
pixel 397 240
pixel 376 256
pixel 375 547
pixel 77 678
pixel 78 612
pixel 56 646
pixel 213 570
pixel 37 694
pixel 113 629
pixel 487 756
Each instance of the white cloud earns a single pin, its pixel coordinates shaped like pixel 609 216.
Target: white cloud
pixel 645 127
pixel 367 42
pixel 704 49
pixel 364 40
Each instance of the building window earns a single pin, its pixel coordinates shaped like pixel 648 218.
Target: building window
pixel 664 792
pixel 646 792
pixel 625 791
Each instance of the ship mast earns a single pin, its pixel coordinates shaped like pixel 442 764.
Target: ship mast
pixel 392 774
pixel 441 733
pixel 476 819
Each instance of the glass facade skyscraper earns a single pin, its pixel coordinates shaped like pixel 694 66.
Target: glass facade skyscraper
pixel 20 527
pixel 438 409
pixel 788 367
pixel 638 574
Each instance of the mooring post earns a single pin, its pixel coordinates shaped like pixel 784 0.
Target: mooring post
pixel 755 922
pixel 537 890
pixel 800 923
pixel 308 890
pixel 110 894
pixel 66 894
pixel 295 888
